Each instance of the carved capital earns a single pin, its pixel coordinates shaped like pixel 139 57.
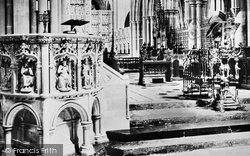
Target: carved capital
pixel 7 129
pixel 85 125
pixel 192 2
pixel 44 39
pixel 96 116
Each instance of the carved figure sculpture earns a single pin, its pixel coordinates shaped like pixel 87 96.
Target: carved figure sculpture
pixel 7 81
pixel 86 74
pixel 27 79
pixel 63 77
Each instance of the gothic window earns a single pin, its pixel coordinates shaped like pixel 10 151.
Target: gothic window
pixel 108 6
pixel 215 5
pixel 124 48
pixel 95 5
pixel 120 48
pixel 128 49
pixel 127 21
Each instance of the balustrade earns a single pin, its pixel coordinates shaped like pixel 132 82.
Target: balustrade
pixel 49 63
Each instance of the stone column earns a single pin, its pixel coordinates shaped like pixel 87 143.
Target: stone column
pixel 87 15
pixel 8 136
pixel 199 22
pixel 45 68
pixel 192 26
pixel 204 9
pixel 144 21
pixel 33 17
pixel 54 25
pixel 52 70
pixel 2 17
pixel 40 137
pixel 133 44
pixel 131 40
pixel 148 29
pixel 39 73
pixel 13 67
pixel 151 30
pixel 94 74
pixel 138 39
pixel 211 9
pixel 9 16
pixel 86 148
pixel 21 17
pixel 240 34
pixel 248 23
pixel 171 20
pixel 42 6
pixel 144 32
pixel 96 123
pixel 79 69
pixel 187 10
pixel 223 6
pixel 59 20
pixel 135 39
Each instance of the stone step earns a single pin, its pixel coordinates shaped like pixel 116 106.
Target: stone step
pixel 178 130
pixel 183 102
pixel 228 101
pixel 162 117
pixel 177 145
pixel 231 104
pixel 224 151
pixel 162 104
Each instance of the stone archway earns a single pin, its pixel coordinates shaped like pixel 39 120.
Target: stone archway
pixel 25 129
pixel 96 119
pixel 9 117
pixel 69 128
pixel 22 125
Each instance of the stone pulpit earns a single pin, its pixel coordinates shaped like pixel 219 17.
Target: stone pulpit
pixel 50 90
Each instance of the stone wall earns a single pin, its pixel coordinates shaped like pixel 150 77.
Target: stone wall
pixel 114 100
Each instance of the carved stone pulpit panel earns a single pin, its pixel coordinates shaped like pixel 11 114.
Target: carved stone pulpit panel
pixel 5 73
pixel 48 64
pixel 26 60
pixel 26 74
pixel 65 57
pixel 5 67
pixel 87 72
pixel 64 75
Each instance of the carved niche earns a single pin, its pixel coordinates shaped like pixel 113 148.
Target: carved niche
pixel 26 59
pixel 87 72
pixel 65 57
pixel 5 70
pixel 5 73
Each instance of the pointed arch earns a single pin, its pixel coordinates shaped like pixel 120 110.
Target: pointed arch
pixel 139 7
pixel 108 6
pixel 11 113
pixel 99 4
pixel 127 20
pixel 76 106
pixel 96 107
